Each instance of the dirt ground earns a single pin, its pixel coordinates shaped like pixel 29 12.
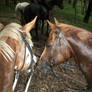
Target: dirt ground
pixel 67 79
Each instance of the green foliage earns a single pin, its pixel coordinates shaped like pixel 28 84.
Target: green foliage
pixel 67 15
pixel 7 14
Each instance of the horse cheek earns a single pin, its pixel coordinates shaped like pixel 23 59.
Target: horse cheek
pixel 60 59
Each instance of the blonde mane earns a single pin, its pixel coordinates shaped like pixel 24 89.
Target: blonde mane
pixel 12 31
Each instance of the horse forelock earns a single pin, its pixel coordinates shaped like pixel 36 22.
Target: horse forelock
pixel 11 31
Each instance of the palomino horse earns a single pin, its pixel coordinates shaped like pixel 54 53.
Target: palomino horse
pixel 65 41
pixel 15 52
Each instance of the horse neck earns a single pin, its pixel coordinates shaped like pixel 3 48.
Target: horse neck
pixel 67 35
pixel 72 38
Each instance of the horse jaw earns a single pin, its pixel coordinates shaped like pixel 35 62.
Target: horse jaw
pixel 28 27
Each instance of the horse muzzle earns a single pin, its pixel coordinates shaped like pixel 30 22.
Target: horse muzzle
pixel 45 67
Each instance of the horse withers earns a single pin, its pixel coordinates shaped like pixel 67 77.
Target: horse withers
pixel 15 48
pixel 64 42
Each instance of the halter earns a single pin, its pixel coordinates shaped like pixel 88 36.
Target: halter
pixel 31 66
pixel 30 50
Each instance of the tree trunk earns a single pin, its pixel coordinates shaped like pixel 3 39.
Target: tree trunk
pixel 74 3
pixel 62 4
pixel 7 2
pixel 15 2
pixel 74 6
pixel 88 12
pixel 69 1
pixel 82 6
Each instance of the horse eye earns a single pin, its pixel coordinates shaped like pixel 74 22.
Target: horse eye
pixel 56 32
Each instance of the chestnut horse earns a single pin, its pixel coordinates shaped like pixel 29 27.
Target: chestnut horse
pixel 65 41
pixel 14 53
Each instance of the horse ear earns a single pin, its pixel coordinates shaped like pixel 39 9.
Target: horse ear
pixel 56 21
pixel 28 27
pixel 51 25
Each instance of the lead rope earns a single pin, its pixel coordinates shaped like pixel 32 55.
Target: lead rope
pixel 16 79
pixel 29 80
pixel 31 65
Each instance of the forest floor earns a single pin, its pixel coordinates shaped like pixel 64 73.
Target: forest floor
pixel 68 79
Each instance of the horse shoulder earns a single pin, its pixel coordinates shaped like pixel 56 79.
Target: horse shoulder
pixel 6 75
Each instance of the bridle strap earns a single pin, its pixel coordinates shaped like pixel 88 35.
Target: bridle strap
pixel 29 48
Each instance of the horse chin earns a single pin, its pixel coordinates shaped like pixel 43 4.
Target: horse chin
pixel 44 67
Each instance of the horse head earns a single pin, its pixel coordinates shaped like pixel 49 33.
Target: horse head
pixel 56 51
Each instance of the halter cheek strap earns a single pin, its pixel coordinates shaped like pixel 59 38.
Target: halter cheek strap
pixel 30 50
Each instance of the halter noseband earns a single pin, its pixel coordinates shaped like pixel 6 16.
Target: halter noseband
pixel 30 50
